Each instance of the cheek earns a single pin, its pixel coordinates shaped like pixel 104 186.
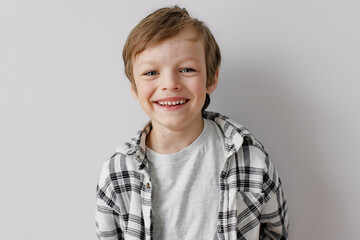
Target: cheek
pixel 145 90
pixel 198 88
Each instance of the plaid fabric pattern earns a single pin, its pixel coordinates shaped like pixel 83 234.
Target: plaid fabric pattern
pixel 252 202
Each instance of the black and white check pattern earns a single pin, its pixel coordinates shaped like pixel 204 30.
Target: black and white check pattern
pixel 252 203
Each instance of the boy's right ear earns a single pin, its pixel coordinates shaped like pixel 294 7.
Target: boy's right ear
pixel 133 90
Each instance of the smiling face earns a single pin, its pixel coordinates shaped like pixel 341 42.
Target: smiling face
pixel 170 81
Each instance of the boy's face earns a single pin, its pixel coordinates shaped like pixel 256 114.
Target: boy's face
pixel 170 81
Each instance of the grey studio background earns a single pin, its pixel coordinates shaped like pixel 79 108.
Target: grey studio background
pixel 290 73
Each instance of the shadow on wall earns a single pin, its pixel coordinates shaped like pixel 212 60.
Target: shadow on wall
pixel 269 102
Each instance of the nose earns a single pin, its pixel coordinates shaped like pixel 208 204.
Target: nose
pixel 170 81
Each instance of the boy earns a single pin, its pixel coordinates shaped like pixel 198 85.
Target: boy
pixel 189 173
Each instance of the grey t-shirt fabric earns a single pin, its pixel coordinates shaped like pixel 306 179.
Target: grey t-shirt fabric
pixel 186 187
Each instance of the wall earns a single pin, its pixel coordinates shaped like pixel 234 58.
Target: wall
pixel 290 73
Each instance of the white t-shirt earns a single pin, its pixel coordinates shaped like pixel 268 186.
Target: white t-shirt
pixel 185 197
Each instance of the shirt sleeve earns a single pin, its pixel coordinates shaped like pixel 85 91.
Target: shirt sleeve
pixel 274 215
pixel 107 224
pixel 106 215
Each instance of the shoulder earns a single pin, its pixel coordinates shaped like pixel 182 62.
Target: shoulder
pixel 127 161
pixel 253 154
pixel 118 167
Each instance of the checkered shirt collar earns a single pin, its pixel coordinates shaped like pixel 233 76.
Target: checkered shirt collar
pixel 234 135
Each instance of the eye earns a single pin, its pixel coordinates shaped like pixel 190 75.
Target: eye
pixel 185 70
pixel 151 73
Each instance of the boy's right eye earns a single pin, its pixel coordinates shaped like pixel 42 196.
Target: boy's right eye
pixel 150 73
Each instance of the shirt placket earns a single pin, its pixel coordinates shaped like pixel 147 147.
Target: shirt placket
pixel 146 196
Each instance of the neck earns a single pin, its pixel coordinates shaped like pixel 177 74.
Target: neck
pixel 166 141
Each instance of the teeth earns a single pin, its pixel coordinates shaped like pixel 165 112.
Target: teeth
pixel 171 103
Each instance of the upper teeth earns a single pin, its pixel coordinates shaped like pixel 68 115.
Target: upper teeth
pixel 171 102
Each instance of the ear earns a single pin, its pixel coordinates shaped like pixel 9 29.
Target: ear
pixel 133 90
pixel 213 86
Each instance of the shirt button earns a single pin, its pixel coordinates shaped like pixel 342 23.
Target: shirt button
pixel 148 185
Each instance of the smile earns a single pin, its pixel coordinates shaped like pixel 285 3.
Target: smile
pixel 171 103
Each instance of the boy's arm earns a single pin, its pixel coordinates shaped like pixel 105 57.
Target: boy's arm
pixel 107 212
pixel 107 220
pixel 274 216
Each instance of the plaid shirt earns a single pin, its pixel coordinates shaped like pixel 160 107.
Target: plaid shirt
pixel 252 203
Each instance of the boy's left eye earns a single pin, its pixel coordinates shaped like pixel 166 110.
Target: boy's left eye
pixel 187 70
pixel 150 73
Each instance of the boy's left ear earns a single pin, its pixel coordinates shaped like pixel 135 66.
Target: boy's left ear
pixel 213 86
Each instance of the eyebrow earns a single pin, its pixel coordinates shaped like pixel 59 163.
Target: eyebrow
pixel 189 58
pixel 192 39
pixel 150 61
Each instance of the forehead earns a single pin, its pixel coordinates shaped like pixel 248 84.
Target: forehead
pixel 185 42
